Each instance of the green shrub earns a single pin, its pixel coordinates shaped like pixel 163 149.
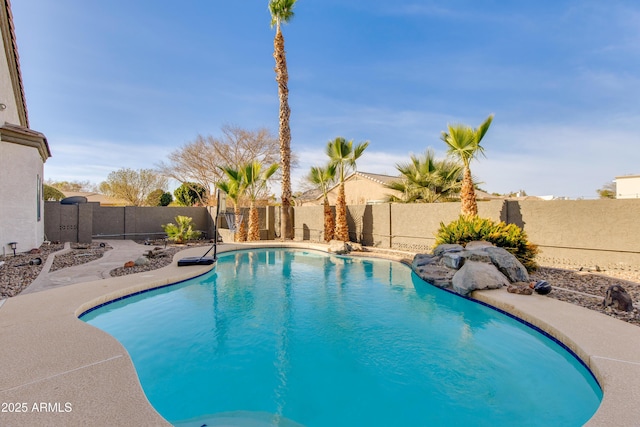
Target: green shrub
pixel 507 236
pixel 181 232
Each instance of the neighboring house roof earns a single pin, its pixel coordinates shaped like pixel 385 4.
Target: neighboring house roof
pixel 25 136
pixel 97 197
pixel 375 177
pixel 13 59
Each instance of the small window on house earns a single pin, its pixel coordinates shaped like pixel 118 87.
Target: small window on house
pixel 39 193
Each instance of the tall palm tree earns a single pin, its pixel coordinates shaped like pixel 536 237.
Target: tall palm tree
pixel 255 180
pixel 343 155
pixel 234 187
pixel 324 178
pixel 282 12
pixel 426 179
pixel 464 143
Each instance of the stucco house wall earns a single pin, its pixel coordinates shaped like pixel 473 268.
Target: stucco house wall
pixel 22 208
pixel 628 187
pixel 22 152
pixel 361 188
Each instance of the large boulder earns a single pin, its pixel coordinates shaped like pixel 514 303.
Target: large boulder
pixel 447 247
pixel 617 297
pixel 477 244
pixel 143 260
pixel 420 260
pixel 507 263
pixel 339 247
pixel 453 260
pixel 436 274
pixel 475 275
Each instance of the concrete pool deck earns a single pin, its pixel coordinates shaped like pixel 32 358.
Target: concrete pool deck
pixel 57 370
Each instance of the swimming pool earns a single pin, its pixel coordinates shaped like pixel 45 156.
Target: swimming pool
pixel 289 337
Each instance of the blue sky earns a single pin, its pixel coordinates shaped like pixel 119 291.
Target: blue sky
pixel 125 82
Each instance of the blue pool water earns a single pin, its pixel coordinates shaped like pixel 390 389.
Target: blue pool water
pixel 288 338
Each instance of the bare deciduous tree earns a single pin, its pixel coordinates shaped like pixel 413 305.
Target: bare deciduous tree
pixel 133 186
pixel 75 186
pixel 199 161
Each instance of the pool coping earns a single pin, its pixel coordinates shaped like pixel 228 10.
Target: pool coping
pixel 51 359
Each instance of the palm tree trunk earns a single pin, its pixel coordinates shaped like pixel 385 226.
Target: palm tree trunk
pixel 254 228
pixel 342 228
pixel 282 77
pixel 329 221
pixel 468 195
pixel 241 229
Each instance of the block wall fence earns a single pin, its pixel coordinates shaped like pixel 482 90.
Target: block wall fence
pixel 605 233
pixel 586 233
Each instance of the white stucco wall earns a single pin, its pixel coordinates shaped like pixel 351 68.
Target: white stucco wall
pixel 20 167
pixel 628 187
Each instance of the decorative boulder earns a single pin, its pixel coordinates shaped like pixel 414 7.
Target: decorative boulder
pixel 421 260
pixel 507 263
pixel 476 276
pixel 520 288
pixel 478 255
pixel 447 247
pixel 129 264
pixel 338 247
pixel 142 261
pixel 436 274
pixel 453 260
pixel 478 244
pixel 618 298
pixel 542 287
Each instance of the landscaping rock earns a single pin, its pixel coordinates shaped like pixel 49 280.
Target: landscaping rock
pixel 129 264
pixel 440 249
pixel 477 244
pixel 520 288
pixel 440 267
pixel 476 276
pixel 436 274
pixel 618 298
pixel 478 255
pixel 453 260
pixel 143 260
pixel 507 263
pixel 341 248
pixel 542 287
pixel 421 260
